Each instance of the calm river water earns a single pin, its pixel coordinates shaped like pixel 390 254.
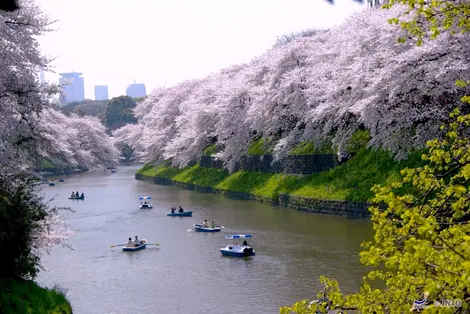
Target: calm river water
pixel 187 273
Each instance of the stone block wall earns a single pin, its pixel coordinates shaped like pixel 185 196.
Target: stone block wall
pixel 352 210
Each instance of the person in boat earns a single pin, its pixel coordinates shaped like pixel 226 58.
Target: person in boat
pixel 130 243
pixel 181 209
pixel 83 195
pixel 213 225
pixel 137 241
pixel 173 210
pixel 73 194
pixel 245 243
pixel 76 194
pixel 205 224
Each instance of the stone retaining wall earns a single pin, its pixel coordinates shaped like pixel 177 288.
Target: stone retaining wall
pixel 353 210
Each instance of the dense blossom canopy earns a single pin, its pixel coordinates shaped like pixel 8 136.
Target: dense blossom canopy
pixel 317 88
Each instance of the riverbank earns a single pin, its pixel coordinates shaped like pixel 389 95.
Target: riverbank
pixel 343 190
pixel 23 296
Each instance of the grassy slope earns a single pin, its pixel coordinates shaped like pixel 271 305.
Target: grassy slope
pixel 18 297
pixel 349 181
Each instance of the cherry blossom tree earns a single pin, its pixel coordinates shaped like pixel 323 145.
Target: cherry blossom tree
pixel 320 88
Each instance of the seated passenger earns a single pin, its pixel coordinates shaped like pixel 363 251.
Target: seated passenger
pixel 73 195
pixel 137 241
pixel 130 243
pixel 172 210
pixel 181 209
pixel 82 196
pixel 205 224
pixel 213 225
pixel 245 243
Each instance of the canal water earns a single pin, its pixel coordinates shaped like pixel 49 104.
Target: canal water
pixel 186 273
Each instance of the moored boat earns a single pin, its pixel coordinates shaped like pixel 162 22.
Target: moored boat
pixel 182 214
pixel 237 250
pixel 137 248
pixel 201 228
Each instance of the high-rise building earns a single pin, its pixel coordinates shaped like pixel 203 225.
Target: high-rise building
pixel 41 77
pixel 73 87
pixel 136 90
pixel 101 92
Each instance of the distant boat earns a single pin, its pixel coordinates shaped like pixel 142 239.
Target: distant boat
pixel 182 214
pixel 237 250
pixel 51 183
pixel 113 170
pixel 61 180
pixel 137 248
pixel 145 205
pixel 201 228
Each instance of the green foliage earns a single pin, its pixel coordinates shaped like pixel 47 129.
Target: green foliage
pixel 87 107
pixel 25 297
pixel 308 148
pixel 427 19
pixel 260 147
pixel 422 240
pixel 358 141
pixel 118 112
pixel 210 150
pixel 349 181
pixel 21 214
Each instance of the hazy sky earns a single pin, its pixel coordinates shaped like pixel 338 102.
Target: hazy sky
pixel 163 42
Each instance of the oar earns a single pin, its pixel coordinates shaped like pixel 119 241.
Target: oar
pixel 118 245
pixel 152 243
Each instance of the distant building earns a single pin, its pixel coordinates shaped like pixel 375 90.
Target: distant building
pixel 136 90
pixel 375 3
pixel 101 92
pixel 74 89
pixel 41 77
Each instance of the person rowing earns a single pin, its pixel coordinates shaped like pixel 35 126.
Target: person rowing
pixel 181 209
pixel 137 241
pixel 205 224
pixel 130 243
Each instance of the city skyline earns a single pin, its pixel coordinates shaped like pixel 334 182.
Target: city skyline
pixel 164 51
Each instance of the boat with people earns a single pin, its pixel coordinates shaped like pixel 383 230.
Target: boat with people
pixel 179 213
pixel 183 214
pixel 76 196
pixel 61 180
pixel 206 227
pixel 51 183
pixel 136 245
pixel 238 250
pixel 144 204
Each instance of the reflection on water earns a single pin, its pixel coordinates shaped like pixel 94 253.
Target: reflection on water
pixel 187 273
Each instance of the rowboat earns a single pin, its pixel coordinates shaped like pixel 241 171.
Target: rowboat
pixel 145 205
pixel 183 214
pixel 238 250
pixel 51 183
pixel 201 228
pixel 137 248
pixel 61 180
pixel 77 198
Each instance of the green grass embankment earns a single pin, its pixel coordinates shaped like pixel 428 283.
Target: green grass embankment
pixel 350 181
pixel 21 296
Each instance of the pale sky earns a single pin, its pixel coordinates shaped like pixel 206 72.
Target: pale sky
pixel 163 42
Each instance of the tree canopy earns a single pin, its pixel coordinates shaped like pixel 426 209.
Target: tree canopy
pixel 118 112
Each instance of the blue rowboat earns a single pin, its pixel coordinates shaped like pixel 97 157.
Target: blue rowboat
pixel 137 248
pixel 183 214
pixel 200 228
pixel 237 250
pixel 61 180
pixel 51 183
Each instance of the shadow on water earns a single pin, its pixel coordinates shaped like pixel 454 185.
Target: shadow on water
pixel 187 273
